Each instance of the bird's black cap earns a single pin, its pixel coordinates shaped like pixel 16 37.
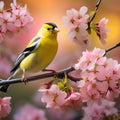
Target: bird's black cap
pixel 52 24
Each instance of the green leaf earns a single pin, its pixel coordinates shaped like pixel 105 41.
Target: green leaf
pixel 89 31
pixel 65 80
pixel 93 26
pixel 92 13
pixel 61 85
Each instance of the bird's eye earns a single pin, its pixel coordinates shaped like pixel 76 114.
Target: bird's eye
pixel 49 29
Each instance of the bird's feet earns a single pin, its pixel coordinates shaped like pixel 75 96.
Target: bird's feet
pixel 24 78
pixel 50 70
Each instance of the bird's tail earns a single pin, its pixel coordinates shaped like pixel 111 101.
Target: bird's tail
pixel 4 88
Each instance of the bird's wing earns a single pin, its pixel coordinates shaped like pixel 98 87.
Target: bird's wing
pixel 31 47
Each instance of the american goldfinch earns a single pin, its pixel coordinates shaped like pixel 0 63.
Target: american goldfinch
pixel 38 54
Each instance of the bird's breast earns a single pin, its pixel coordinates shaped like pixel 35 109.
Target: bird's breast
pixel 40 58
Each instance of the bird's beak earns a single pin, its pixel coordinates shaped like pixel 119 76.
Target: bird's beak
pixel 56 30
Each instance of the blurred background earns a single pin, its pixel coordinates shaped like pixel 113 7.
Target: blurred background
pixel 52 11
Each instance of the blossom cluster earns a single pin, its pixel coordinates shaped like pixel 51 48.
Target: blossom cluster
pixel 79 27
pixel 100 76
pixel 13 19
pixel 56 96
pixel 99 84
pixel 98 111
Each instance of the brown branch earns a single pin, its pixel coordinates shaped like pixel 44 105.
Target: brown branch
pixel 73 78
pixel 113 47
pixel 60 74
pixel 96 8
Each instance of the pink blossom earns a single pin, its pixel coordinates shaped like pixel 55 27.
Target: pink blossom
pixel 93 112
pixel 100 76
pixel 74 100
pixel 6 22
pixel 86 76
pixel 92 90
pixel 76 21
pixel 98 52
pixel 4 106
pixel 109 72
pixel 75 17
pixel 83 16
pixel 21 16
pixel 71 18
pixel 29 112
pixel 114 68
pixel 97 111
pixel 79 34
pixel 102 30
pixel 14 19
pixel 53 97
pixel 88 59
pixel 105 71
pixel 109 108
pixel 111 95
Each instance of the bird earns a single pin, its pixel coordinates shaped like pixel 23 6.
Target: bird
pixel 38 54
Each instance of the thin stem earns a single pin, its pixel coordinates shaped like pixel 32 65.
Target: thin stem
pixel 96 8
pixel 113 47
pixel 73 78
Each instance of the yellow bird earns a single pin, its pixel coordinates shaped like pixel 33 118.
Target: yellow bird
pixel 38 54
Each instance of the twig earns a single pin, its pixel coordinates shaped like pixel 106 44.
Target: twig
pixel 113 47
pixel 60 74
pixel 73 78
pixel 96 8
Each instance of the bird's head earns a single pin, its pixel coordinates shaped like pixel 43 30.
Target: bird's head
pixel 49 30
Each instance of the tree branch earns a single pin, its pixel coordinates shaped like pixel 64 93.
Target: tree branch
pixel 59 74
pixel 96 8
pixel 113 47
pixel 73 78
